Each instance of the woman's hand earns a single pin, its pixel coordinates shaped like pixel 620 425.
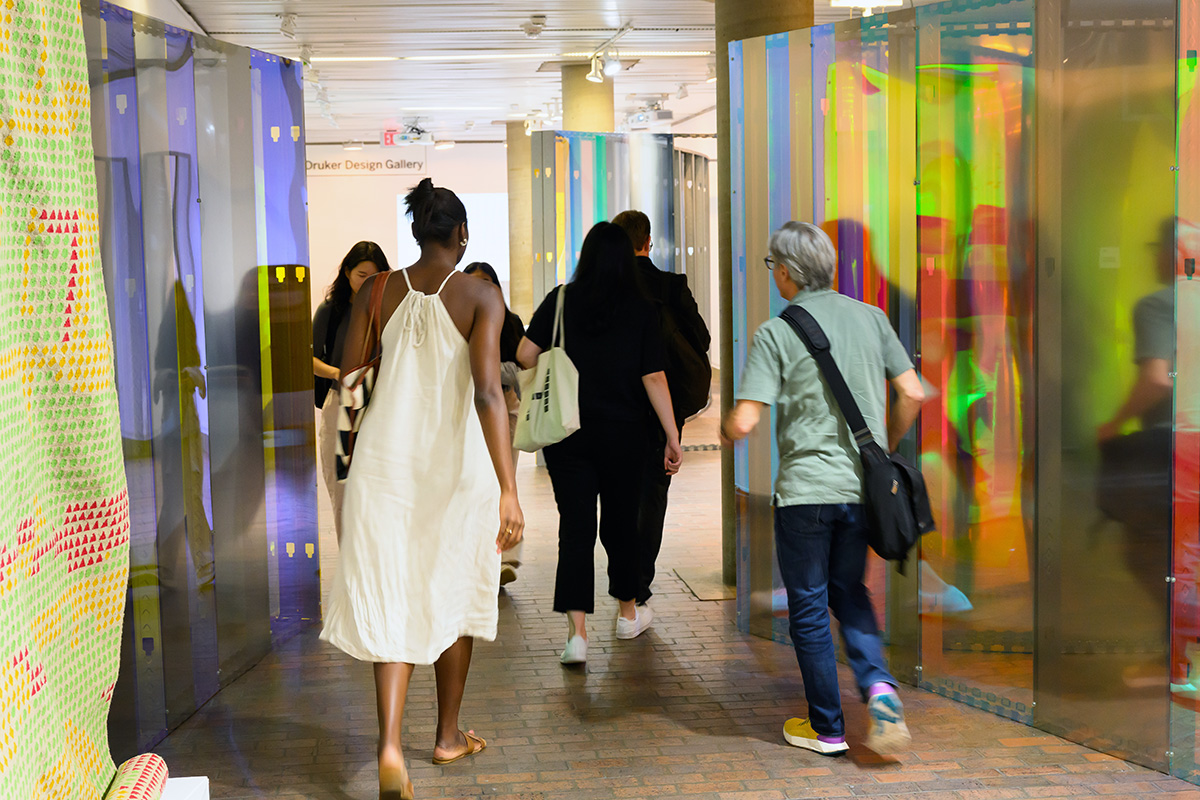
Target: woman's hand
pixel 512 522
pixel 672 456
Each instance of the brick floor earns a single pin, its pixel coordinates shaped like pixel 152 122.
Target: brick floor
pixel 691 709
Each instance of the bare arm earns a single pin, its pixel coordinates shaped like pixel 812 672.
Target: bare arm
pixel 1153 386
pixel 527 353
pixel 740 420
pixel 660 397
pixel 484 347
pixel 910 394
pixel 323 370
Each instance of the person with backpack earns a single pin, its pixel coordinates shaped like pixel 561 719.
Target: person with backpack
pixel 689 377
pixel 609 332
pixel 821 528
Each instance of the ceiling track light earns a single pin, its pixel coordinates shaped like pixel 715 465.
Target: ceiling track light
pixel 612 64
pixel 534 26
pixel 596 75
pixel 287 25
pixel 712 73
pixel 683 92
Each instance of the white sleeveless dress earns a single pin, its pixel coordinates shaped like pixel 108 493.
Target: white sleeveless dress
pixel 418 566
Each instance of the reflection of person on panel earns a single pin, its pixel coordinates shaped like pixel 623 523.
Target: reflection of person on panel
pixel 1134 486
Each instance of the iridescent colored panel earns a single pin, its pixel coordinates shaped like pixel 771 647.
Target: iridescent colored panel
pixel 1106 325
pixel 1185 613
pixel 223 108
pixel 974 211
pixel 291 481
pixel 183 191
pixel 138 714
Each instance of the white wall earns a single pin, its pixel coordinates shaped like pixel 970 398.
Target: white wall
pixel 347 208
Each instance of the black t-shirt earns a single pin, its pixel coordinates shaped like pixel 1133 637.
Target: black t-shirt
pixel 611 360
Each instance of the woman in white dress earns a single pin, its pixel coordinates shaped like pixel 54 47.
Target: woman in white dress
pixel 421 534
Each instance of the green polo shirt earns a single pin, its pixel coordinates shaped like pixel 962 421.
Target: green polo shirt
pixel 818 459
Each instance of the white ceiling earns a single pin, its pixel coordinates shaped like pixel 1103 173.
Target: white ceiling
pixel 465 66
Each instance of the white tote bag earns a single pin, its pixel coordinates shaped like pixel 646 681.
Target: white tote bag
pixel 549 393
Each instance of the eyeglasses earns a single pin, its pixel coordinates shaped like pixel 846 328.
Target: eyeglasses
pixel 770 262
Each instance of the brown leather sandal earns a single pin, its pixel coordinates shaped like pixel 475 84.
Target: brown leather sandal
pixel 394 784
pixel 474 745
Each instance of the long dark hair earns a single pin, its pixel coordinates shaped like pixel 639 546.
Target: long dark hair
pixel 486 269
pixel 606 278
pixel 339 291
pixel 435 212
pixel 513 330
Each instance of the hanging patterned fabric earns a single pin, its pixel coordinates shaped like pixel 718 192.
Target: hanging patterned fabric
pixel 64 521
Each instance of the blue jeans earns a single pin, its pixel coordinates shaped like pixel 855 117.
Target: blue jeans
pixel 822 551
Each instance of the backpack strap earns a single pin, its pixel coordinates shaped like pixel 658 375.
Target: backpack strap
pixel 810 332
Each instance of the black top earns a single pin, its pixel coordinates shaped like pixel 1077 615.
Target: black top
pixel 510 337
pixel 671 290
pixel 611 360
pixel 329 340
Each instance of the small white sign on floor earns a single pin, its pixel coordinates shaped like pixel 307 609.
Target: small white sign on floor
pixel 186 789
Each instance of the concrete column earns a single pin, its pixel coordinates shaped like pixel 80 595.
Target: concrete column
pixel 736 20
pixel 587 106
pixel 520 220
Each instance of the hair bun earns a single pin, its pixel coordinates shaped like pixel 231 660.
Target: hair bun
pixel 435 212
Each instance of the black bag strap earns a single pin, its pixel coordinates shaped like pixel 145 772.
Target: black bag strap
pixel 809 331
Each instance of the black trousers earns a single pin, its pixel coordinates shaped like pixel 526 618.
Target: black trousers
pixel 595 462
pixel 652 510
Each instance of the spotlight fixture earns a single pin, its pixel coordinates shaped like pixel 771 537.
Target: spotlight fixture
pixel 712 73
pixel 529 127
pixel 534 26
pixel 287 25
pixel 683 92
pixel 596 75
pixel 444 145
pixel 612 64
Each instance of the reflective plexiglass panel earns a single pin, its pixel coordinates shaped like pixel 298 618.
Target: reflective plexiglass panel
pixel 580 179
pixel 1185 616
pixel 1013 182
pixel 191 206
pixel 974 222
pixel 832 101
pixel 1105 346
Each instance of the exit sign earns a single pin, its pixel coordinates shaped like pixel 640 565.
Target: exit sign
pixel 400 138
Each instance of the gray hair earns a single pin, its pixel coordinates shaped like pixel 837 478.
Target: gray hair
pixel 807 254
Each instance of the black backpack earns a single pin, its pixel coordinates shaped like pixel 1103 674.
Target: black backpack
pixel 689 374
pixel 897 502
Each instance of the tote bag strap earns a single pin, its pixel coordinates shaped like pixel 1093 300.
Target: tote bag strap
pixel 559 337
pixel 375 311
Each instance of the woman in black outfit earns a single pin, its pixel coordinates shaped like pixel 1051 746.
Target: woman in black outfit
pixel 510 337
pixel 612 337
pixel 330 323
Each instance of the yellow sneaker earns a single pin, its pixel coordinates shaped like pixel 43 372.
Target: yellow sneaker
pixel 800 733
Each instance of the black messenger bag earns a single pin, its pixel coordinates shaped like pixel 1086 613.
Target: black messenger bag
pixel 897 502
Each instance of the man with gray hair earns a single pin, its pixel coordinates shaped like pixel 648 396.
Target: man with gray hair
pixel 820 526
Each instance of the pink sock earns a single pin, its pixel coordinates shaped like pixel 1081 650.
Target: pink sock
pixel 880 688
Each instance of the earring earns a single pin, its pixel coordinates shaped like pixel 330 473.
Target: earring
pixel 462 242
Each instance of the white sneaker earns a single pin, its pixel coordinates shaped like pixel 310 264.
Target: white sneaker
pixel 575 652
pixel 887 733
pixel 633 628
